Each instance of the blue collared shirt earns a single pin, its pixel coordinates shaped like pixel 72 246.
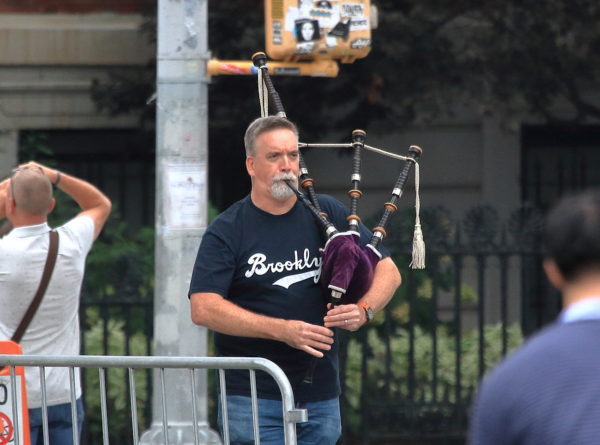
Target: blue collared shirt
pixel 588 309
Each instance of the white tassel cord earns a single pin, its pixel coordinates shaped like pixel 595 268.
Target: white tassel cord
pixel 263 95
pixel 418 251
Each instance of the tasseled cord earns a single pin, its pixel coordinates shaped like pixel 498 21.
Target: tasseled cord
pixel 263 95
pixel 418 250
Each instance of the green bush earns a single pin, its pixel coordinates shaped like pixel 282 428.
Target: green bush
pixel 121 263
pixel 392 384
pixel 116 379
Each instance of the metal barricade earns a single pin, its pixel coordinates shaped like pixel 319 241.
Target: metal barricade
pixel 291 415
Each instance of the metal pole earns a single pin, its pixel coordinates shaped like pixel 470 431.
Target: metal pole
pixel 181 203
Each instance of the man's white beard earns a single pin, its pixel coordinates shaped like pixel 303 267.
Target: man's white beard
pixel 279 189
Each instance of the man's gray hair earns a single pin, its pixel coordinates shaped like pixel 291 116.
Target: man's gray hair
pixel 262 125
pixel 32 191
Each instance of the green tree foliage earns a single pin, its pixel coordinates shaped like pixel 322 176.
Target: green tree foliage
pixel 430 56
pixel 121 263
pixel 493 56
pixel 429 59
pixel 390 370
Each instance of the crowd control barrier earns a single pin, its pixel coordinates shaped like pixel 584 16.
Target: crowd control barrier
pixel 291 415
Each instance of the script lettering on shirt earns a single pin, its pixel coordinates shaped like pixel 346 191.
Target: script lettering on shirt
pixel 259 266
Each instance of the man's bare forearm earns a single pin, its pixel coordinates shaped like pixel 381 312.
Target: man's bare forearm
pixel 386 279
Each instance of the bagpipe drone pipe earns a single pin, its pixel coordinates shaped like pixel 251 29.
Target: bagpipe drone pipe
pixel 342 250
pixel 347 267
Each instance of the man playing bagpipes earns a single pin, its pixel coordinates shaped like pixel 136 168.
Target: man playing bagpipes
pixel 256 284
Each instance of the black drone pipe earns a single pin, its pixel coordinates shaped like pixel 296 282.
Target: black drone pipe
pixel 259 60
pixel 390 207
pixel 358 142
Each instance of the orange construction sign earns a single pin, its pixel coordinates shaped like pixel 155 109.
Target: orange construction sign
pixel 8 430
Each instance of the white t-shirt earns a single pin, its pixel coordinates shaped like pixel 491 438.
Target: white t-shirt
pixel 54 329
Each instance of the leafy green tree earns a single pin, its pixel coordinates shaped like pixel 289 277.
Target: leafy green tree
pixel 429 56
pixel 429 59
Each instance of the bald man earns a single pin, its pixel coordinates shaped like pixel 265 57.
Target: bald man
pixel 26 199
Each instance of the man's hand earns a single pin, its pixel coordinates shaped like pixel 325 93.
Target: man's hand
pixel 307 337
pixel 50 173
pixel 386 279
pixel 215 312
pixel 346 316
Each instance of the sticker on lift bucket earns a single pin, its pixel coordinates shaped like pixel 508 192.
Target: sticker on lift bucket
pixel 298 30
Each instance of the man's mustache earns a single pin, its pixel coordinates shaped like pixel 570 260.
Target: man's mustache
pixel 285 177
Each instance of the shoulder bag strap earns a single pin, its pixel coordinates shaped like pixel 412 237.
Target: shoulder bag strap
pixel 35 303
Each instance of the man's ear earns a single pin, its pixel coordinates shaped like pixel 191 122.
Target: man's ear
pixel 11 204
pixel 250 165
pixel 555 276
pixel 51 206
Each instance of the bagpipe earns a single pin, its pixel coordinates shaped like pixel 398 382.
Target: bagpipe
pixel 347 268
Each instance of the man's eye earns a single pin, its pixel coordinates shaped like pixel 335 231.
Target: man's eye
pixel 272 156
pixel 294 155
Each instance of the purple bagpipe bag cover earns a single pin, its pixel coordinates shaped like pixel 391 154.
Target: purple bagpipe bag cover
pixel 347 267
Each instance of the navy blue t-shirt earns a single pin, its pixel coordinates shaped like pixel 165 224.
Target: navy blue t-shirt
pixel 270 264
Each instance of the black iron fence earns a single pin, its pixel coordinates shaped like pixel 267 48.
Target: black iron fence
pixel 410 376
pixel 420 362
